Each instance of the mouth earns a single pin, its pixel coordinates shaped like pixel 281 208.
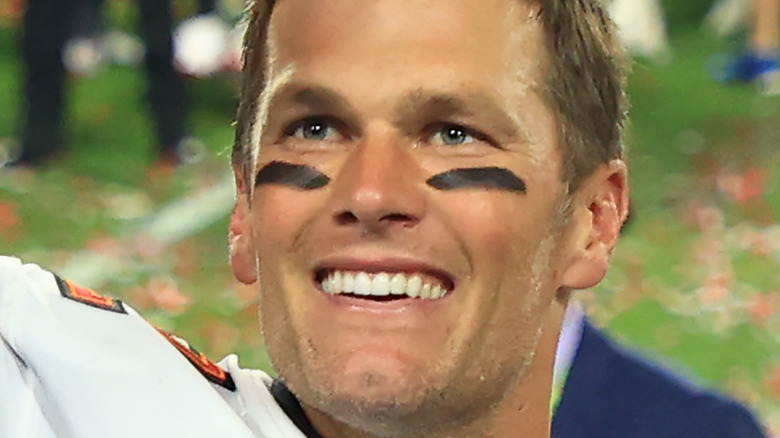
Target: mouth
pixel 385 284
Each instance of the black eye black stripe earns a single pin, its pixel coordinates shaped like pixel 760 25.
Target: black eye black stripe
pixel 305 177
pixel 297 176
pixel 479 177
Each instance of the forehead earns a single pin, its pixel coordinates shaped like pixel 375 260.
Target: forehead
pixel 483 35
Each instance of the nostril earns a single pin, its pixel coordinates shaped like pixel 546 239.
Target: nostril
pixel 399 218
pixel 346 218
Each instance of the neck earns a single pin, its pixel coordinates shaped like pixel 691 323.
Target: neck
pixel 525 411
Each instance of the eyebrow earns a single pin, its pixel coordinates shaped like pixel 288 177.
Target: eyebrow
pixel 314 98
pixel 471 105
pixel 321 98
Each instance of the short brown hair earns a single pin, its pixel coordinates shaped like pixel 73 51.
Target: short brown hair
pixel 585 83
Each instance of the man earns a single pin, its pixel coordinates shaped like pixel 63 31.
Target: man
pixel 421 184
pixel 426 143
pixel 361 210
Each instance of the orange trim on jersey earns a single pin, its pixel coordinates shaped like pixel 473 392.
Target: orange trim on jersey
pixel 87 296
pixel 210 370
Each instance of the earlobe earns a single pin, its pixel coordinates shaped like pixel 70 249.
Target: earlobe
pixel 602 207
pixel 242 254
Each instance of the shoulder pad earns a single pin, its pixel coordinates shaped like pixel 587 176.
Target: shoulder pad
pixel 87 296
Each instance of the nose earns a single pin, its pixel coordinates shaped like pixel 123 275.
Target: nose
pixel 379 186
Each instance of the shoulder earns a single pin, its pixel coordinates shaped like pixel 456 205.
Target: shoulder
pixel 25 285
pixel 101 365
pixel 38 304
pixel 615 390
pixel 41 311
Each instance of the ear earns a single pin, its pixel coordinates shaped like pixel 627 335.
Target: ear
pixel 599 209
pixel 242 253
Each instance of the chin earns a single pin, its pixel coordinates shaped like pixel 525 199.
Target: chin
pixel 376 383
pixel 376 404
pixel 360 392
pixel 391 406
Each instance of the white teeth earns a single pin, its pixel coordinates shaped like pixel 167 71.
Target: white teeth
pixel 335 282
pixel 362 284
pixel 398 284
pixel 425 291
pixel 413 286
pixel 381 284
pixel 347 283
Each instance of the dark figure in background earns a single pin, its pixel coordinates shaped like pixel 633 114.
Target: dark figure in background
pixel 48 25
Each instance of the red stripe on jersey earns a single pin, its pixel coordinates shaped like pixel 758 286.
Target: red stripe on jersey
pixel 211 371
pixel 87 296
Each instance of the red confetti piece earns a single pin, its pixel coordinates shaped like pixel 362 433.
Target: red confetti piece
pixel 167 296
pixel 761 307
pixel 8 217
pixel 742 188
pixel 772 380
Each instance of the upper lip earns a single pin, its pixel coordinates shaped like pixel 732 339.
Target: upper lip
pixel 382 264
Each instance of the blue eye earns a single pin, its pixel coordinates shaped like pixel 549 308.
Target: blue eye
pixel 453 135
pixel 314 130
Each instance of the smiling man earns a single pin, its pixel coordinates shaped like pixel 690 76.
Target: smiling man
pixel 421 185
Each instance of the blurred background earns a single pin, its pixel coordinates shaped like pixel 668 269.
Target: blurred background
pixel 696 277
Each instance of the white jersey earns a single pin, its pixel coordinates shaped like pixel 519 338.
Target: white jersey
pixel 75 364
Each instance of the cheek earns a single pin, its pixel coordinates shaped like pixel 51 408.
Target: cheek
pixel 280 216
pixel 493 227
pixel 280 223
pixel 504 237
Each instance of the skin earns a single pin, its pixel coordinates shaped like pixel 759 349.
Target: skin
pixel 390 77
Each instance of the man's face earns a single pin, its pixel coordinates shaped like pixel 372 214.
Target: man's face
pixel 382 100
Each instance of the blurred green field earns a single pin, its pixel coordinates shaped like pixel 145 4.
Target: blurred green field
pixel 696 278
